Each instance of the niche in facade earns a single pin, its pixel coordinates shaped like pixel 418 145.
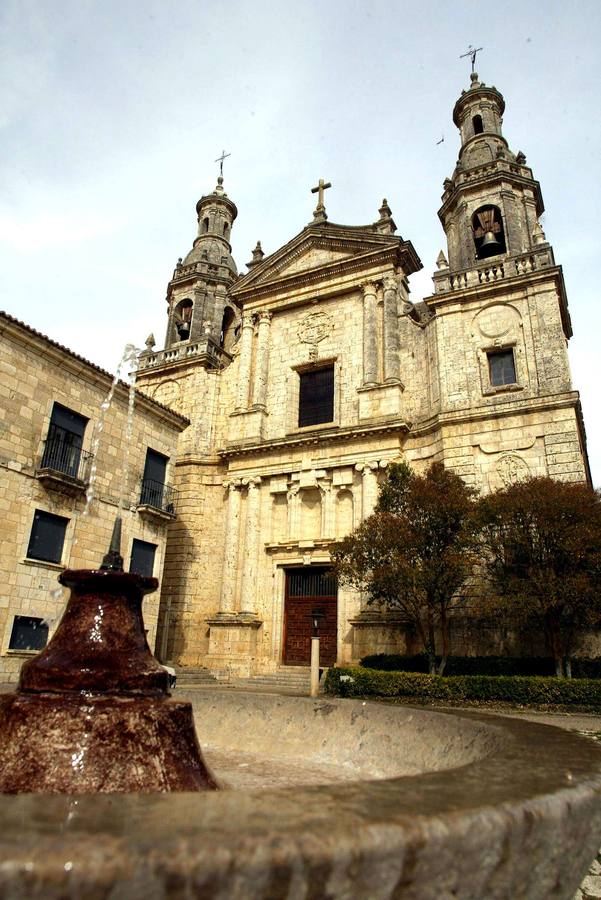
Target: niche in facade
pixel 489 234
pixel 183 317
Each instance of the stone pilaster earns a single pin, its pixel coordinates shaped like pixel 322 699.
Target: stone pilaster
pixel 293 498
pixel 251 549
pixel 327 509
pixel 230 560
pixel 369 492
pixel 262 365
pixel 245 361
pixel 370 345
pixel 392 337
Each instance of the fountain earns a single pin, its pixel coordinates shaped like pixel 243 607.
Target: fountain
pixel 92 711
pixel 335 799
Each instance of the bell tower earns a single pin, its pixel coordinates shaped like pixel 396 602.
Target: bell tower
pixel 492 203
pixel 198 309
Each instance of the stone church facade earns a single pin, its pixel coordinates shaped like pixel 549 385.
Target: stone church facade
pixel 304 378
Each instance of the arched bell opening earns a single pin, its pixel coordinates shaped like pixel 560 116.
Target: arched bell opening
pixel 182 317
pixel 478 124
pixel 488 231
pixel 228 329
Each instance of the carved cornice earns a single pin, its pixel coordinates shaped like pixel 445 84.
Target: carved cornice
pixel 333 436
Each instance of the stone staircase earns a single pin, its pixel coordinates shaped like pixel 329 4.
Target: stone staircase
pixel 287 679
pixel 291 679
pixel 192 677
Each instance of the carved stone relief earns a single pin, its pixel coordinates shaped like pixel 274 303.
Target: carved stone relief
pixel 512 468
pixel 169 394
pixel 312 329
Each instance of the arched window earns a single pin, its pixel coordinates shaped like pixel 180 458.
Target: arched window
pixel 228 337
pixel 183 318
pixel 205 224
pixel 489 234
pixel 477 123
pixel 226 229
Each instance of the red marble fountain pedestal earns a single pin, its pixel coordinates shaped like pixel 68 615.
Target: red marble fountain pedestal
pixel 92 712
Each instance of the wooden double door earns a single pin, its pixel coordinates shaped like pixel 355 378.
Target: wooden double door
pixel 309 589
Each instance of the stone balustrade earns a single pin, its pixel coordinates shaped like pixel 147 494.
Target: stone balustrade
pixel 205 348
pixel 492 270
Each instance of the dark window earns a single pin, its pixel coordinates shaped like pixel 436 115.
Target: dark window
pixel 28 633
pixel 47 536
pixel 62 448
pixel 153 480
pixel 316 397
pixel 501 367
pixel 142 557
pixel 477 123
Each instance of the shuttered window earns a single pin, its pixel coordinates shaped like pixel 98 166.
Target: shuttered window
pixel 316 397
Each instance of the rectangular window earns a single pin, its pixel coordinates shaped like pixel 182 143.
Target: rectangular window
pixel 153 480
pixel 316 397
pixel 28 633
pixel 62 448
pixel 501 368
pixel 47 537
pixel 142 557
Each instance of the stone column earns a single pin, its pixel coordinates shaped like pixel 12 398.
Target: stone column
pixel 392 337
pixel 369 493
pixel 246 349
pixel 251 549
pixel 230 559
pixel 370 344
pixel 327 509
pixel 262 367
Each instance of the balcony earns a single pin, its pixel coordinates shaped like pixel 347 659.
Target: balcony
pixel 157 500
pixel 64 465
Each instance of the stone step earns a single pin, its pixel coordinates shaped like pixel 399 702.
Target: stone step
pixel 194 676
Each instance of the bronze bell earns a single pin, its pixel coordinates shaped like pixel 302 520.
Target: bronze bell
pixel 490 245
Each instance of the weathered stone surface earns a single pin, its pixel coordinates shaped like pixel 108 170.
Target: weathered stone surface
pixel 520 822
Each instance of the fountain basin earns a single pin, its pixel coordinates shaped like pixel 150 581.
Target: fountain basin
pixel 517 816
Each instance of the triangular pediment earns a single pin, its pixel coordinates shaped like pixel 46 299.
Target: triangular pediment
pixel 318 251
pixel 312 258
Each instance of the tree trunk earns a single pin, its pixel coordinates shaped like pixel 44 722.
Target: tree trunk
pixel 558 667
pixel 553 633
pixel 431 648
pixel 444 628
pixel 568 666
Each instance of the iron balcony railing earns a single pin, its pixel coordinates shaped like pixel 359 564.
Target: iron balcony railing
pixel 63 456
pixel 158 495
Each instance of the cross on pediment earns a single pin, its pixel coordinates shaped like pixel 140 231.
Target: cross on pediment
pixel 320 210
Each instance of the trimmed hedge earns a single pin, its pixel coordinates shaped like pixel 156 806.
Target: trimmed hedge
pixel 361 682
pixel 482 665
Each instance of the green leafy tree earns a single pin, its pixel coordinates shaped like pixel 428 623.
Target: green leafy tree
pixel 542 558
pixel 416 551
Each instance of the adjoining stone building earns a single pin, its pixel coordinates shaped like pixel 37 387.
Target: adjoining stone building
pixel 305 377
pixel 52 451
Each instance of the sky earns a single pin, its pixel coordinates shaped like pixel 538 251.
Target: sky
pixel 112 114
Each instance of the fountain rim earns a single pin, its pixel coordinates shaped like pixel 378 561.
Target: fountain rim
pixel 544 782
